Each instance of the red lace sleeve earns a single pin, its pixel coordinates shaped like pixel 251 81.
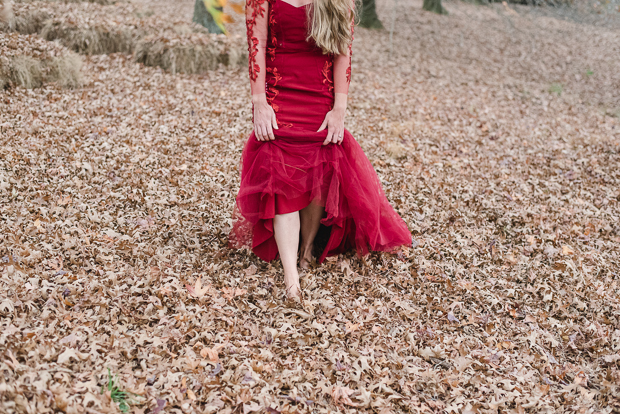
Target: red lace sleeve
pixel 256 21
pixel 342 69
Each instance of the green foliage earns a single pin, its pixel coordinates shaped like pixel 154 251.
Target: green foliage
pixel 210 14
pixel 556 88
pixel 203 15
pixel 122 398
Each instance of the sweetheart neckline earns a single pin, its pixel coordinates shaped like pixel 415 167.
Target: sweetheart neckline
pixel 296 7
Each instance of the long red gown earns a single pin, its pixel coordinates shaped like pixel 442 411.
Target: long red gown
pixel 285 175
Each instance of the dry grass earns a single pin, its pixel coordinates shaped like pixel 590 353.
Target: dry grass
pixel 28 72
pixel 25 71
pixel 195 53
pixel 158 40
pixel 29 22
pixel 102 2
pixel 29 62
pixel 84 28
pixel 95 40
pixel 65 70
pixel 7 17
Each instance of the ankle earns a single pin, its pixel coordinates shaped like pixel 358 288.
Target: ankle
pixel 291 276
pixel 306 251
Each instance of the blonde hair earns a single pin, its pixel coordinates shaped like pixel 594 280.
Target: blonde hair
pixel 330 24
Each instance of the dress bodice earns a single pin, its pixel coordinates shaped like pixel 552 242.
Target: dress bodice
pixel 277 27
pixel 289 25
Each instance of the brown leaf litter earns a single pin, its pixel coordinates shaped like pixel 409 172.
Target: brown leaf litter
pixel 117 200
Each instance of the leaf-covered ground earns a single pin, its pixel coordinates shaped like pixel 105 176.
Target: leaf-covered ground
pixel 495 132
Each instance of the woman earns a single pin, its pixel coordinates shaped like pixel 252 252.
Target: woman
pixel 300 166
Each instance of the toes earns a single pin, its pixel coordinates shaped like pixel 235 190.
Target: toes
pixel 294 293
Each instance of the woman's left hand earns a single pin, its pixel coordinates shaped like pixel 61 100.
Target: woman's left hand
pixel 334 122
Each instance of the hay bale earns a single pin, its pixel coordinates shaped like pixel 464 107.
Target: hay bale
pixel 190 53
pixel 26 71
pixel 29 61
pixel 155 40
pixel 96 40
pixel 22 18
pixel 104 2
pixel 90 28
pixel 7 18
pixel 87 28
pixel 65 70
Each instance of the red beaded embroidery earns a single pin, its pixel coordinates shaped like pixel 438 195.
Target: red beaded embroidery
pixel 327 79
pixel 272 91
pixel 257 10
pixel 271 51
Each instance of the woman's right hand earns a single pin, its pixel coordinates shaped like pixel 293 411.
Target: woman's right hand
pixel 264 118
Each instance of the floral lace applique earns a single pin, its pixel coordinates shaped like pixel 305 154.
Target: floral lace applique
pixel 350 52
pixel 272 91
pixel 257 10
pixel 271 51
pixel 327 79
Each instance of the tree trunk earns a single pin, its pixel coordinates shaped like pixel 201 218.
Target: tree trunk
pixel 204 18
pixel 434 6
pixel 368 13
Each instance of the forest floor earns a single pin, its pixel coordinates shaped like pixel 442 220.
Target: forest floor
pixel 495 131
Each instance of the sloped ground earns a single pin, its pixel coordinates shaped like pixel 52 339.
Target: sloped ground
pixel 116 203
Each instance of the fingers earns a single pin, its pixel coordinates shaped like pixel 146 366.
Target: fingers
pixel 340 137
pixel 259 133
pixel 334 138
pixel 270 136
pixel 265 125
pixel 323 125
pixel 274 121
pixel 265 133
pixel 262 131
pixel 328 139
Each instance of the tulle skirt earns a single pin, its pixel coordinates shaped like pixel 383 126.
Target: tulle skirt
pixel 287 174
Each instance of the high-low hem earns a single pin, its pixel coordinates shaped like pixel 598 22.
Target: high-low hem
pixel 338 177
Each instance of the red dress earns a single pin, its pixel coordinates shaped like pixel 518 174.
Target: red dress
pixel 285 175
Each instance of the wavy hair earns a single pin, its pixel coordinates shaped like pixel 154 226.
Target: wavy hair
pixel 330 24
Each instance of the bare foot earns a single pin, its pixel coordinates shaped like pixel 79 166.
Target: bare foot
pixel 306 258
pixel 293 289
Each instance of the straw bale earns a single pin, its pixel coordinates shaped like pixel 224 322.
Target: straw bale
pixel 104 2
pixel 29 61
pixel 7 18
pixel 90 28
pixel 22 18
pixel 159 40
pixel 190 53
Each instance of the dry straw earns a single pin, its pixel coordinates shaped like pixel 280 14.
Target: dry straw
pixel 95 40
pixel 29 72
pixel 93 29
pixel 103 2
pixel 29 62
pixel 189 54
pixel 7 18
